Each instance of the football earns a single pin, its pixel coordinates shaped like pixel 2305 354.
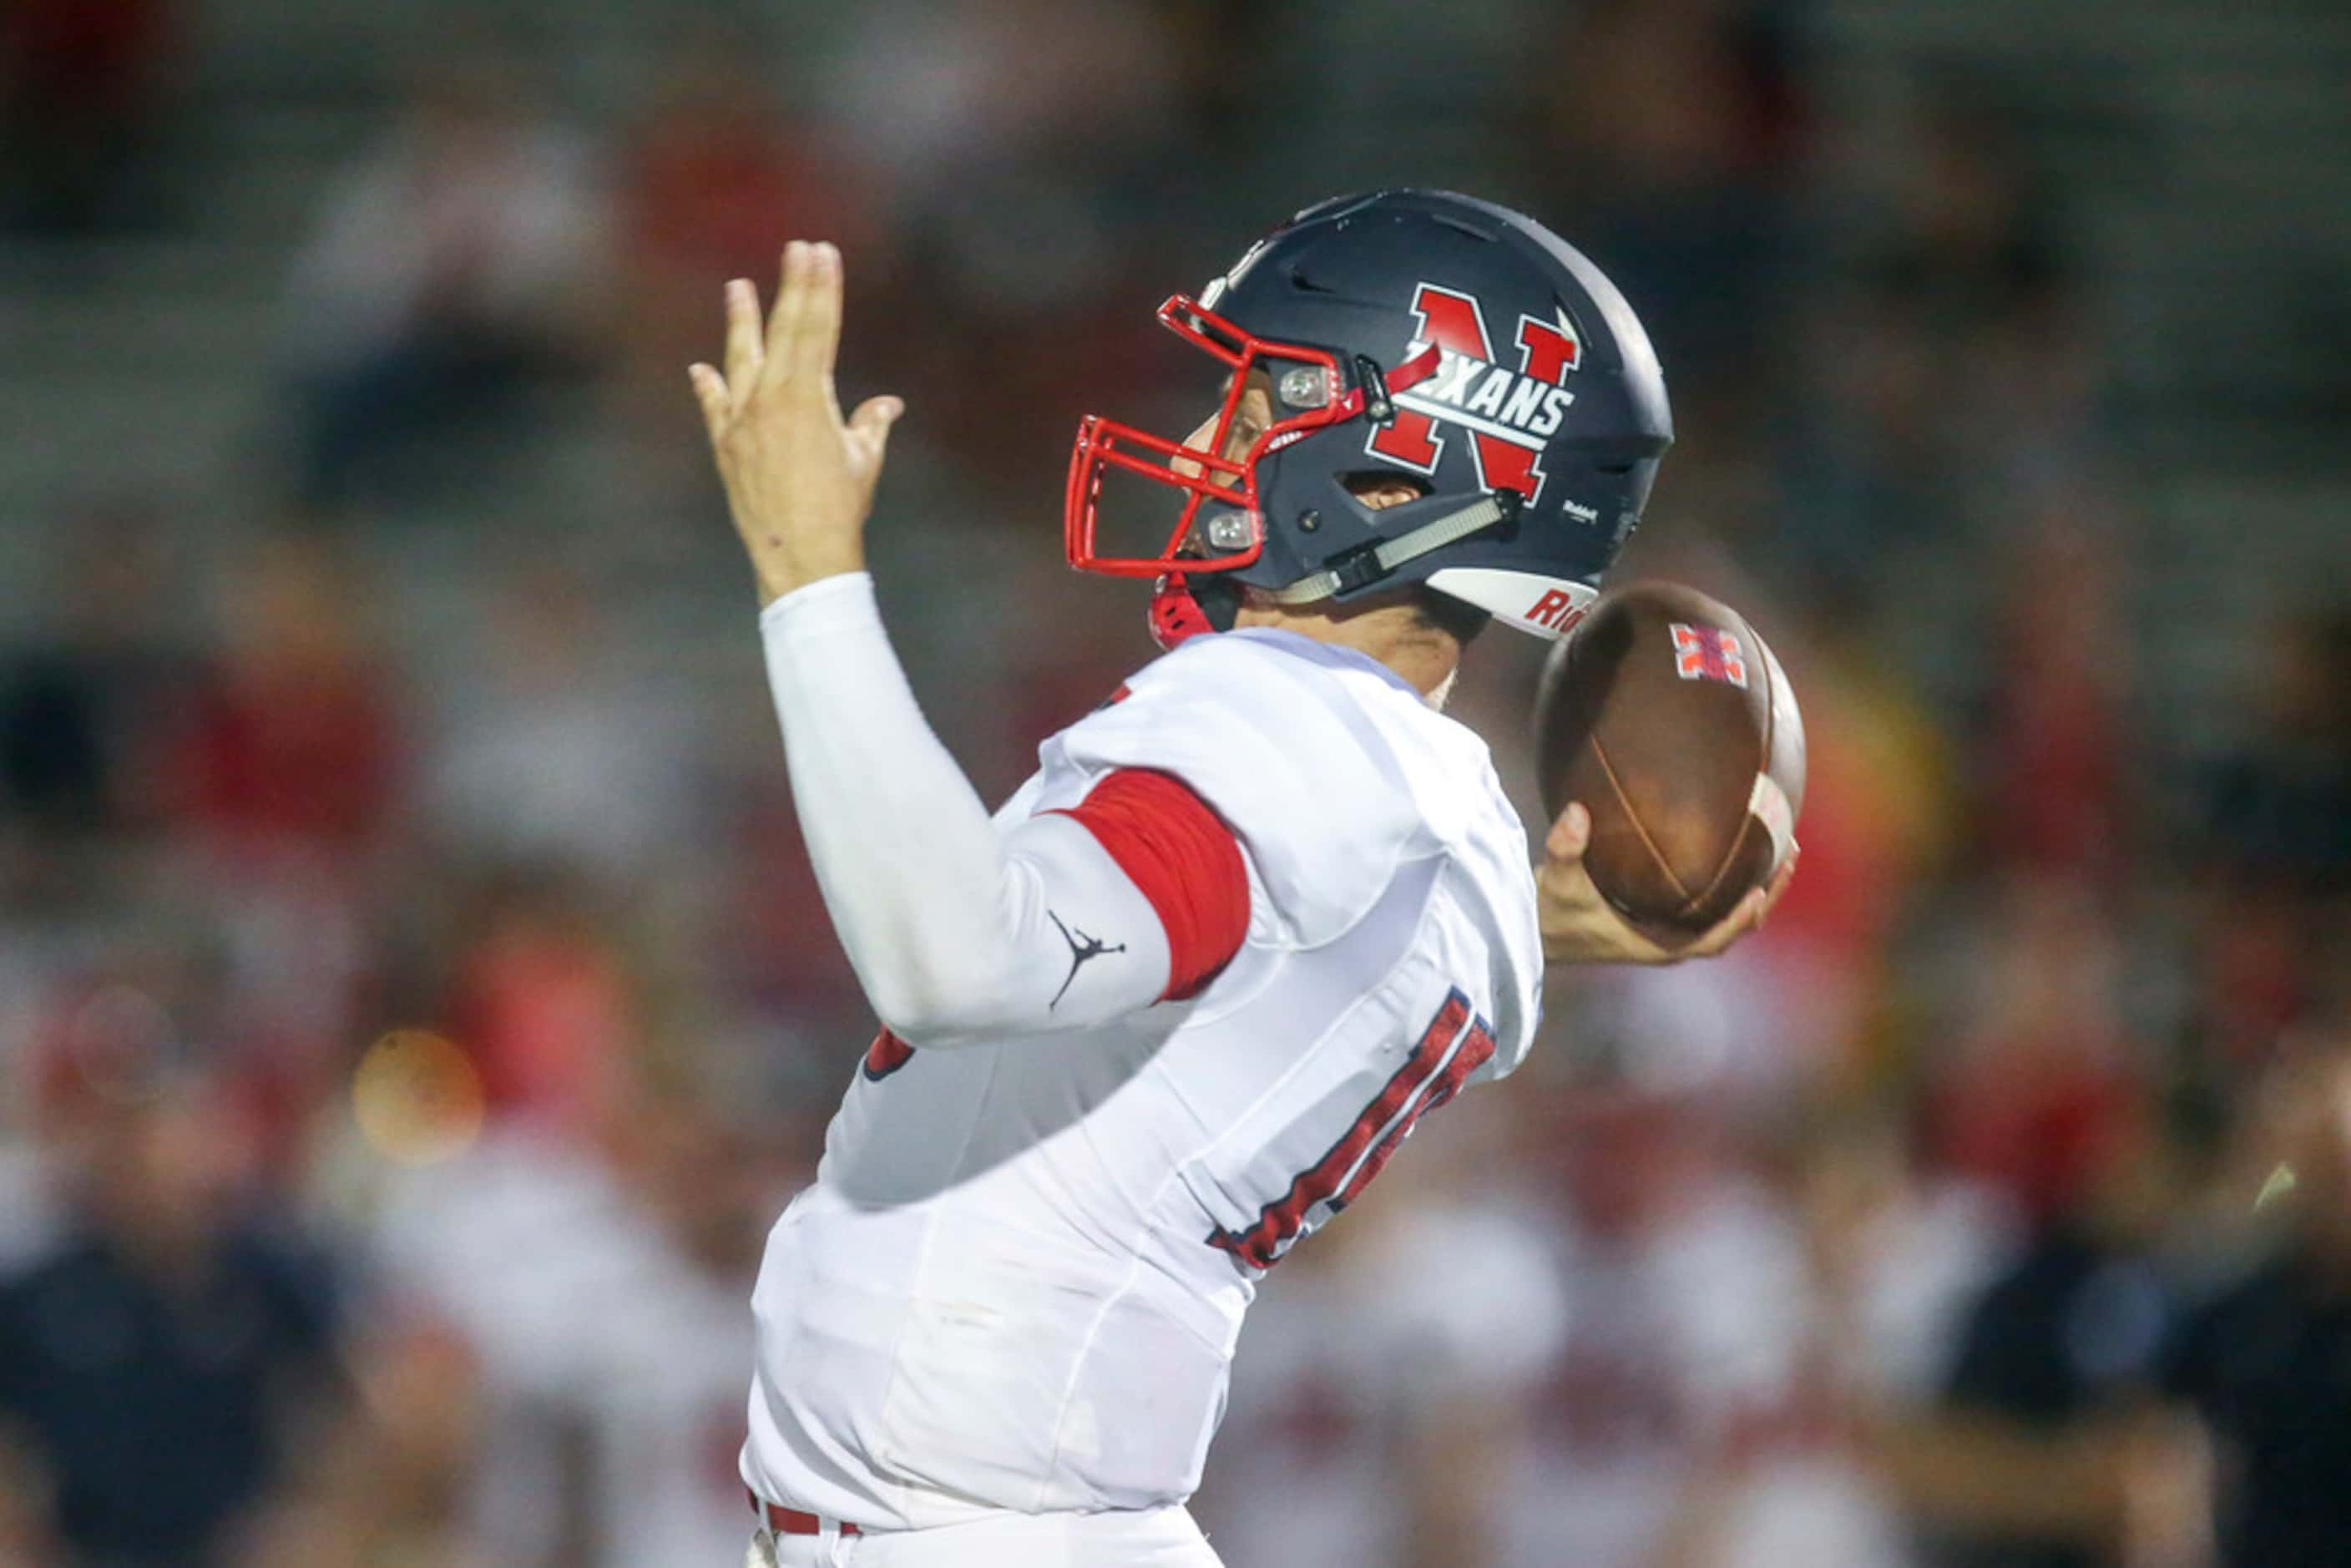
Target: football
pixel 1671 720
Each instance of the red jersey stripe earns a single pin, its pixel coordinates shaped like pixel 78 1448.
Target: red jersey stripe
pixel 1183 859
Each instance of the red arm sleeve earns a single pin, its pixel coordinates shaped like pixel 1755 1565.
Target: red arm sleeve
pixel 1183 859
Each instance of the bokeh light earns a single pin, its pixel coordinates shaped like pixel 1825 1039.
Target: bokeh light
pixel 417 1098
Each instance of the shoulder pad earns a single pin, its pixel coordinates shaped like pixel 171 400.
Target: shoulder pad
pixel 1281 746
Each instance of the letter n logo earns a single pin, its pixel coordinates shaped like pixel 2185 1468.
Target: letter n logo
pixel 1508 452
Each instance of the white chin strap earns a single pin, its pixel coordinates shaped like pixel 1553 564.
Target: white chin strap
pixel 1367 567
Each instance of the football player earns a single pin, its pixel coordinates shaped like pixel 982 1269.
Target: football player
pixel 1183 996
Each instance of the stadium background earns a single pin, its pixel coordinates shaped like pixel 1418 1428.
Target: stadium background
pixel 414 1004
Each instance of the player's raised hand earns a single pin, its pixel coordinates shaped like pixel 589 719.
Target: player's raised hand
pixel 1579 926
pixel 799 478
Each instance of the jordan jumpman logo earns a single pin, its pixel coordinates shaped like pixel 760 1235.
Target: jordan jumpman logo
pixel 1082 948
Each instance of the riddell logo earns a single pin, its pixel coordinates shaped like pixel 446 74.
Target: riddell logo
pixel 1511 414
pixel 1556 610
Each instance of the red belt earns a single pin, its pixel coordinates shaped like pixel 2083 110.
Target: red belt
pixel 790 1520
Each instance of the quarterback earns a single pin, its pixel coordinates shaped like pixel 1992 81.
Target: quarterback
pixel 1184 994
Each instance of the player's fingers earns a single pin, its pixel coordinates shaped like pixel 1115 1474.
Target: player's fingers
pixel 1571 834
pixel 710 391
pixel 1752 912
pixel 1637 947
pixel 743 352
pixel 1779 883
pixel 818 334
pixel 791 304
pixel 872 422
pixel 1730 928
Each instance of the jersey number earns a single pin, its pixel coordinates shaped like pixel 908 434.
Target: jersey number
pixel 1454 1045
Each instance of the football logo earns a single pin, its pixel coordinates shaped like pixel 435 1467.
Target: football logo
pixel 1708 653
pixel 1511 414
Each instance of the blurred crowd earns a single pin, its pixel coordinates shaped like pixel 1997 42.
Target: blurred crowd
pixel 414 1004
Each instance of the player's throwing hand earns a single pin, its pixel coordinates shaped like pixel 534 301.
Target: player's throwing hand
pixel 1579 926
pixel 799 478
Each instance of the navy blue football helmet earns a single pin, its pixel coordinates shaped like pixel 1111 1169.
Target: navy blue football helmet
pixel 1406 333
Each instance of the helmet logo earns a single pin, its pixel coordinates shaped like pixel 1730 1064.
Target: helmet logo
pixel 1511 414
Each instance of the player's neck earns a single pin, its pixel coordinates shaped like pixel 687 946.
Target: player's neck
pixel 1424 657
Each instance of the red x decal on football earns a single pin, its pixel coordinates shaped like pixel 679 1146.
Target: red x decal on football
pixel 1708 653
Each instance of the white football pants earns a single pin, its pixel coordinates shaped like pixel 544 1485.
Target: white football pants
pixel 1157 1538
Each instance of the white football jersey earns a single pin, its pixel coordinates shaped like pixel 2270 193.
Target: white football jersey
pixel 1019 1278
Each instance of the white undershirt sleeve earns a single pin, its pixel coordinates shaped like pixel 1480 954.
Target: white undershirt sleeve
pixel 957 934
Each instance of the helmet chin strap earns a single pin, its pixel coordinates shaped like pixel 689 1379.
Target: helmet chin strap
pixel 1220 599
pixel 1361 567
pixel 1184 607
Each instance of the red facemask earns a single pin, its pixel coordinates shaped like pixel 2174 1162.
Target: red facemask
pixel 1230 481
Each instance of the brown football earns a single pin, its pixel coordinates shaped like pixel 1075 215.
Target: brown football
pixel 1669 718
